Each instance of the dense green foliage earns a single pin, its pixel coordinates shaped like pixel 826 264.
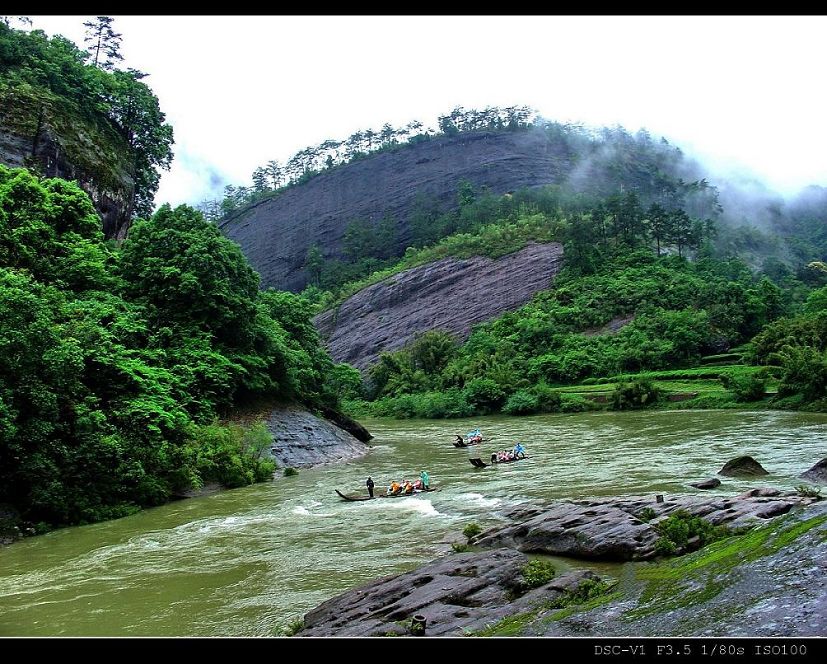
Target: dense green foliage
pixel 109 123
pixel 536 573
pixel 680 527
pixel 671 313
pixel 472 530
pixel 676 312
pixel 746 388
pixel 799 346
pixel 230 455
pixel 639 394
pixel 115 364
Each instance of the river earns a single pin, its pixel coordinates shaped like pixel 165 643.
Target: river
pixel 249 561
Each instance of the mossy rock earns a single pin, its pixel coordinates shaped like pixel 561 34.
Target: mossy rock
pixel 742 466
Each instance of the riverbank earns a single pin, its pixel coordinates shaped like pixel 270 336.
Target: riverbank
pixel 725 387
pixel 300 439
pixel 304 440
pixel 767 580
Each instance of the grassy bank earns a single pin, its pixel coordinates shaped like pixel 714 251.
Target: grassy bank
pixel 705 387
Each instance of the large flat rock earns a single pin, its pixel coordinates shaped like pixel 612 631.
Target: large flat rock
pixel 302 440
pixel 615 529
pixel 455 594
pixel 450 294
pixel 469 592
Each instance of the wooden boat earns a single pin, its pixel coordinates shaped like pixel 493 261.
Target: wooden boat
pixel 403 495
pixel 354 496
pixel 471 438
pixel 479 463
pixel 476 442
pixel 379 492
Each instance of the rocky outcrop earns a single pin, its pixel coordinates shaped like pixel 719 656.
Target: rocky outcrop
pixel 615 529
pixel 9 524
pixel 347 423
pixel 743 466
pixel 275 234
pixel 762 492
pixel 450 294
pixel 54 140
pixel 771 583
pixel 707 484
pixel 455 594
pixel 741 589
pixel 301 440
pixel 612 327
pixel 818 473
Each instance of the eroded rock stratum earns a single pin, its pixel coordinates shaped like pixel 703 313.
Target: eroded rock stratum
pixel 451 294
pixel 275 234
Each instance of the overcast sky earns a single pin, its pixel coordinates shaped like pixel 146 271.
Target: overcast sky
pixel 737 92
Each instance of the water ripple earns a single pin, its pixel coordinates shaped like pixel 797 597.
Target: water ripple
pixel 246 562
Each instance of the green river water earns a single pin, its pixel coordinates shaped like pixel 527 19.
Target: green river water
pixel 246 562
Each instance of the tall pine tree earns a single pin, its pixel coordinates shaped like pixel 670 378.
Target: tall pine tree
pixel 104 43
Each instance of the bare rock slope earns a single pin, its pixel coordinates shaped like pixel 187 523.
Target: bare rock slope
pixel 275 234
pixel 302 440
pixel 450 294
pixel 455 594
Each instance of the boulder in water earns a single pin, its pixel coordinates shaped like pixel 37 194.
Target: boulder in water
pixel 711 483
pixel 817 473
pixel 742 466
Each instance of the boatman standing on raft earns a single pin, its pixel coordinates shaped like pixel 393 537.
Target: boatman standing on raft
pixel 369 484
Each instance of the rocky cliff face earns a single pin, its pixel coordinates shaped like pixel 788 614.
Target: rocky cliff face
pixel 302 440
pixel 38 134
pixel 450 294
pixel 275 234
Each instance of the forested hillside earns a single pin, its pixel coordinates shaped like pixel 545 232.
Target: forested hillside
pixel 115 363
pixel 118 362
pixel 337 211
pixel 643 290
pixel 68 113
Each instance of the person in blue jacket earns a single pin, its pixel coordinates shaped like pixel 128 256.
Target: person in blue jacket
pixel 426 480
